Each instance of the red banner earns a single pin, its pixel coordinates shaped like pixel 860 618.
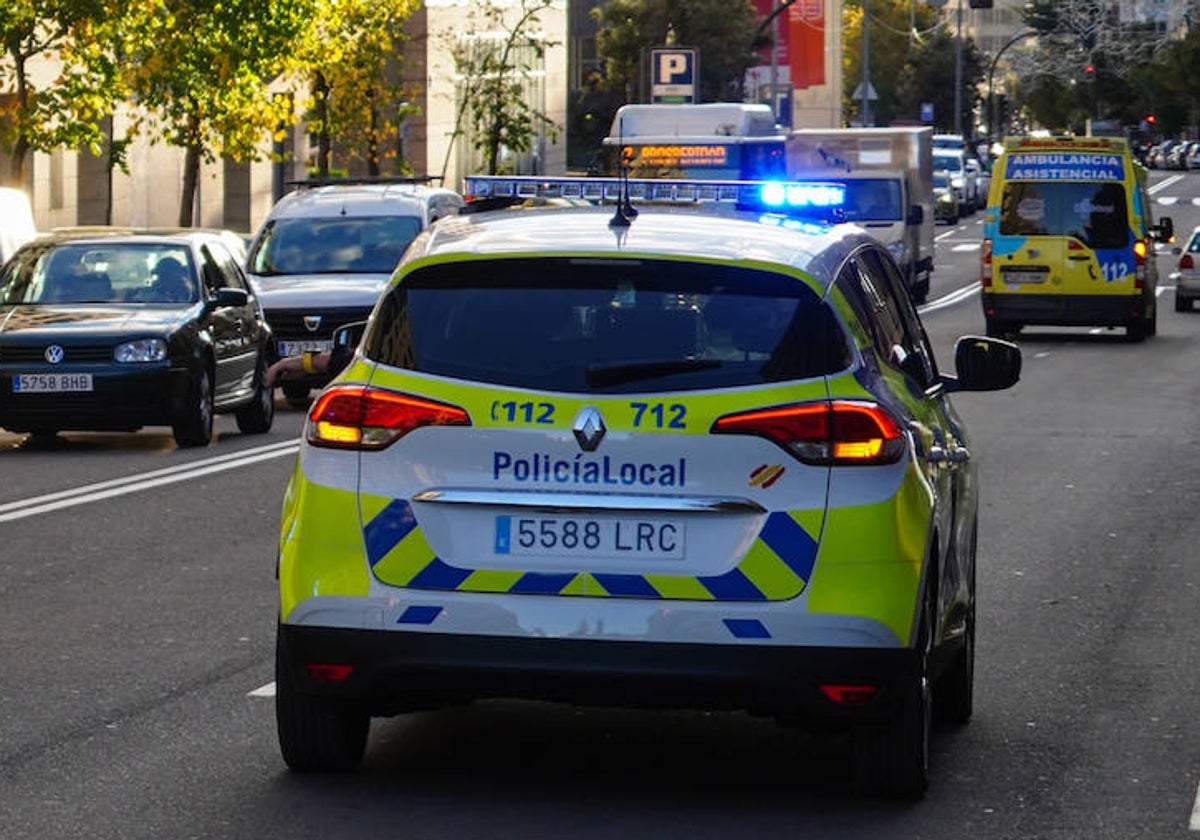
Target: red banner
pixel 806 41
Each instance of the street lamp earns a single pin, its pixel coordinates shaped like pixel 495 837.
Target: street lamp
pixel 993 129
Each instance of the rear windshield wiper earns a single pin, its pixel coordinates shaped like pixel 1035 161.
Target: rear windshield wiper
pixel 610 375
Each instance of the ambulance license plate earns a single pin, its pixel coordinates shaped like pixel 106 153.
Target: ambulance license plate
pixel 590 536
pixel 1023 274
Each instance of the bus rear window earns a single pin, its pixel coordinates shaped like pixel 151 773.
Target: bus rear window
pixel 1095 214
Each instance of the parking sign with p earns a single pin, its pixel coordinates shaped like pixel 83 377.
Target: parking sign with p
pixel 673 74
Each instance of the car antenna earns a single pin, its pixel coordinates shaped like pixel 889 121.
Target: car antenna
pixel 626 212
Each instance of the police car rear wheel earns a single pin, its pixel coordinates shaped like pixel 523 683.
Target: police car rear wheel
pixel 317 734
pixel 954 700
pixel 894 762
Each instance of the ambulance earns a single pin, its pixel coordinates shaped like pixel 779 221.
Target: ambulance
pixel 1069 238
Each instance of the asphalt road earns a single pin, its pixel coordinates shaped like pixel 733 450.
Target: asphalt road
pixel 137 622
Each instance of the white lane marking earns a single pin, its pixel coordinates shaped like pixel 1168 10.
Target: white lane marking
pixel 267 690
pixel 1164 183
pixel 1194 822
pixel 970 246
pixel 50 502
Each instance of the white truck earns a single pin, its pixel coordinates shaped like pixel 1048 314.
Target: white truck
pixel 888 173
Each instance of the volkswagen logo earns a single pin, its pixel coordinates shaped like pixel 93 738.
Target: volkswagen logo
pixel 589 428
pixel 54 354
pixel 312 323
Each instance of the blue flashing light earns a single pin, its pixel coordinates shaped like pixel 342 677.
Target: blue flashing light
pixel 787 195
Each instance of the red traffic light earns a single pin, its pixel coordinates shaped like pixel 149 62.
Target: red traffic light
pixel 1151 119
pixel 1090 69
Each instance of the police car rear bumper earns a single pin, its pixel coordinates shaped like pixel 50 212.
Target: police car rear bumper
pixel 1065 310
pixel 399 672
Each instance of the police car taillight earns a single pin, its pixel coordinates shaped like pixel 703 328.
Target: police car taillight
pixel 842 432
pixel 358 417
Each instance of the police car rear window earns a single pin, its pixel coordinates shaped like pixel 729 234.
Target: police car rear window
pixel 606 326
pixel 1093 213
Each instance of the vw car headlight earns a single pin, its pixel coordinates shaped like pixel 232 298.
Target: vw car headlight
pixel 142 350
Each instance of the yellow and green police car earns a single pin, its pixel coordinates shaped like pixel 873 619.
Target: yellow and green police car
pixel 666 455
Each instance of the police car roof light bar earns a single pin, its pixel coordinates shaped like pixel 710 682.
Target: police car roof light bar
pixel 813 200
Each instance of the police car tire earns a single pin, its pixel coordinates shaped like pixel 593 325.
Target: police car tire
pixel 954 701
pixel 256 416
pixel 893 762
pixel 194 426
pixel 317 734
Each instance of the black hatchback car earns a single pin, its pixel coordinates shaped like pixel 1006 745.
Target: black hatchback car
pixel 116 330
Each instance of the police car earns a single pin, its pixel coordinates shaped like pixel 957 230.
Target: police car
pixel 642 452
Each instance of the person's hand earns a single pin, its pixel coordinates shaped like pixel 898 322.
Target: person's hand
pixel 292 367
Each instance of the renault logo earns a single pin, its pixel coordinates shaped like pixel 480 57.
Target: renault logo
pixel 589 428
pixel 312 323
pixel 54 354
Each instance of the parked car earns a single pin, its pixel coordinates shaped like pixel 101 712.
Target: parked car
pixel 327 249
pixel 1191 155
pixel 696 458
pixel 113 331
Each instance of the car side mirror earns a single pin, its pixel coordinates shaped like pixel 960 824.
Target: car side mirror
pixel 228 296
pixel 349 335
pixel 1164 231
pixel 984 364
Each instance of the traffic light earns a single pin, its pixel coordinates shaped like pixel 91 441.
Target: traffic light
pixel 1089 73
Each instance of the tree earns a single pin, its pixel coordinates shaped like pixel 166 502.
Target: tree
pixel 495 61
pixel 204 78
pixel 349 54
pixel 724 32
pixel 68 110
pixel 911 65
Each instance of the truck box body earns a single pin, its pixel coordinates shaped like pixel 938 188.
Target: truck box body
pixel 714 141
pixel 871 161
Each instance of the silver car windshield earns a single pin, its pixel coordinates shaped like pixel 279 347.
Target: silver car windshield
pixel 338 245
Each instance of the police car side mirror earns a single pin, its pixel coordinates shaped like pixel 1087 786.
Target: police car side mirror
pixel 984 364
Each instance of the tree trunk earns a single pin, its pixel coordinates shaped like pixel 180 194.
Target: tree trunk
pixel 191 173
pixel 321 91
